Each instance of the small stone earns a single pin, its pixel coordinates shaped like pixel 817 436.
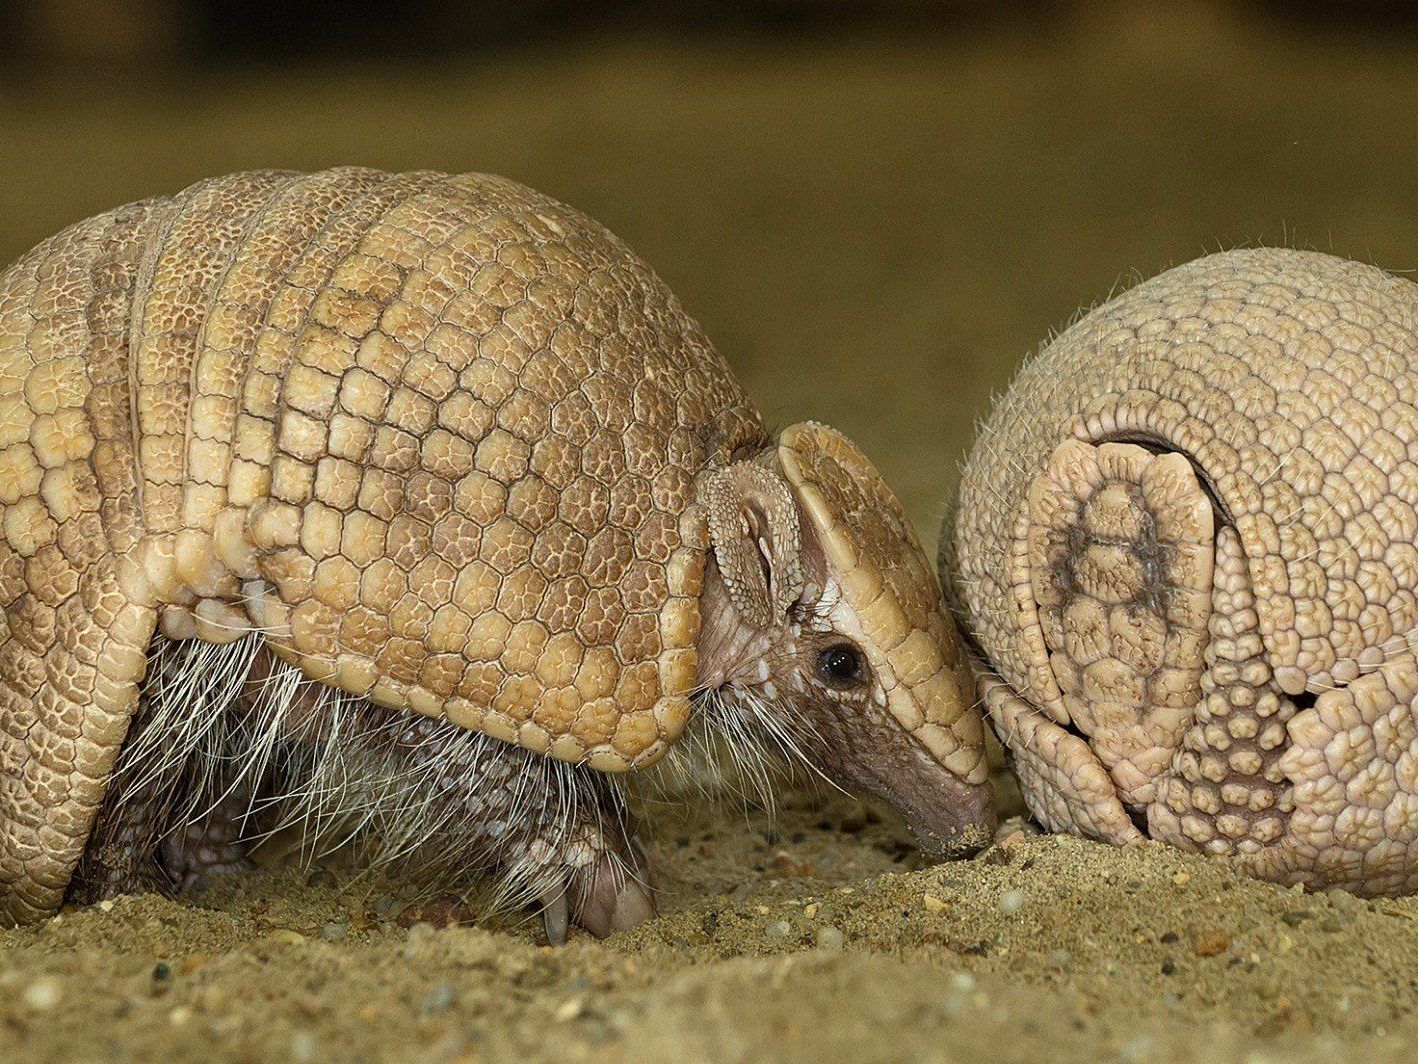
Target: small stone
pixel 303 1045
pixel 437 1000
pixel 811 911
pixel 1011 901
pixel 43 994
pixel 829 938
pixel 334 932
pixel 569 1010
pixel 1137 1049
pixel 935 906
pixel 778 929
pixel 445 911
pixel 106 905
pixel 1181 879
pixel 963 982
pixel 1211 944
pixel 180 1016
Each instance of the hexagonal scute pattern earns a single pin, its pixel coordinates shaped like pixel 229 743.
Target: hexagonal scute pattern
pixel 464 450
pixel 1287 381
pixel 437 435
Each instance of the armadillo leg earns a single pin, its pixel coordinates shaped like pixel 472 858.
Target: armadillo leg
pixel 553 833
pixel 1063 782
pixel 1119 555
pixel 172 812
pixel 213 843
pixel 121 856
pixel 443 806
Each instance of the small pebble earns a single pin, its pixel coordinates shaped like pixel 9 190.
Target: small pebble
pixel 180 1016
pixel 1211 944
pixel 778 929
pixel 1181 879
pixel 1341 899
pixel 569 1010
pixel 964 982
pixel 935 906
pixel 303 1045
pixel 1011 901
pixel 334 932
pixel 43 994
pixel 437 1000
pixel 829 938
pixel 1136 1049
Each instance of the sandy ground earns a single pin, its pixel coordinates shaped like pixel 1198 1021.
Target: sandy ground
pixel 874 231
pixel 822 937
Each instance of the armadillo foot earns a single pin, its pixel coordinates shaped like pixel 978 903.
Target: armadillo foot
pixel 213 844
pixel 616 895
pixel 610 892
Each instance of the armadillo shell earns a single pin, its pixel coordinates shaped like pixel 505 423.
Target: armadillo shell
pixel 436 435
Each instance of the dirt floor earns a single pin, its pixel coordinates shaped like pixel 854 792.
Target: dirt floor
pixel 874 231
pixel 822 937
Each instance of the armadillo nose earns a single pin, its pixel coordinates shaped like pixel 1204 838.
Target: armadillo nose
pixel 953 819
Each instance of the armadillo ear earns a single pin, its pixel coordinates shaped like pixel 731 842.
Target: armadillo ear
pixel 753 523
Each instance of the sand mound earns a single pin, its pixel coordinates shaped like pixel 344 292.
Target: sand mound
pixel 818 938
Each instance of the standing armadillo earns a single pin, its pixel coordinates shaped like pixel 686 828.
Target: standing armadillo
pixel 1186 544
pixel 320 490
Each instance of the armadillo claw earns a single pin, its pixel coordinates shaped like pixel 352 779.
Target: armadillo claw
pixel 554 915
pixel 611 893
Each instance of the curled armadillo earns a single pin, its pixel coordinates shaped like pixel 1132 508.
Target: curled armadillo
pixel 318 491
pixel 1187 547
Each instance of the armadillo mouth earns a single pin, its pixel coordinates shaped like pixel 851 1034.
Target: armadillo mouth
pixel 891 605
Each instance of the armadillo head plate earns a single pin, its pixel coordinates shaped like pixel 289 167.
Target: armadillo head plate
pixel 863 663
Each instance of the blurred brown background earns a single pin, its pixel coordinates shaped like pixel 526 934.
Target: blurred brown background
pixel 876 208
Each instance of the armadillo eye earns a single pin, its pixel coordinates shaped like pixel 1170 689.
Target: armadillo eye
pixel 841 665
